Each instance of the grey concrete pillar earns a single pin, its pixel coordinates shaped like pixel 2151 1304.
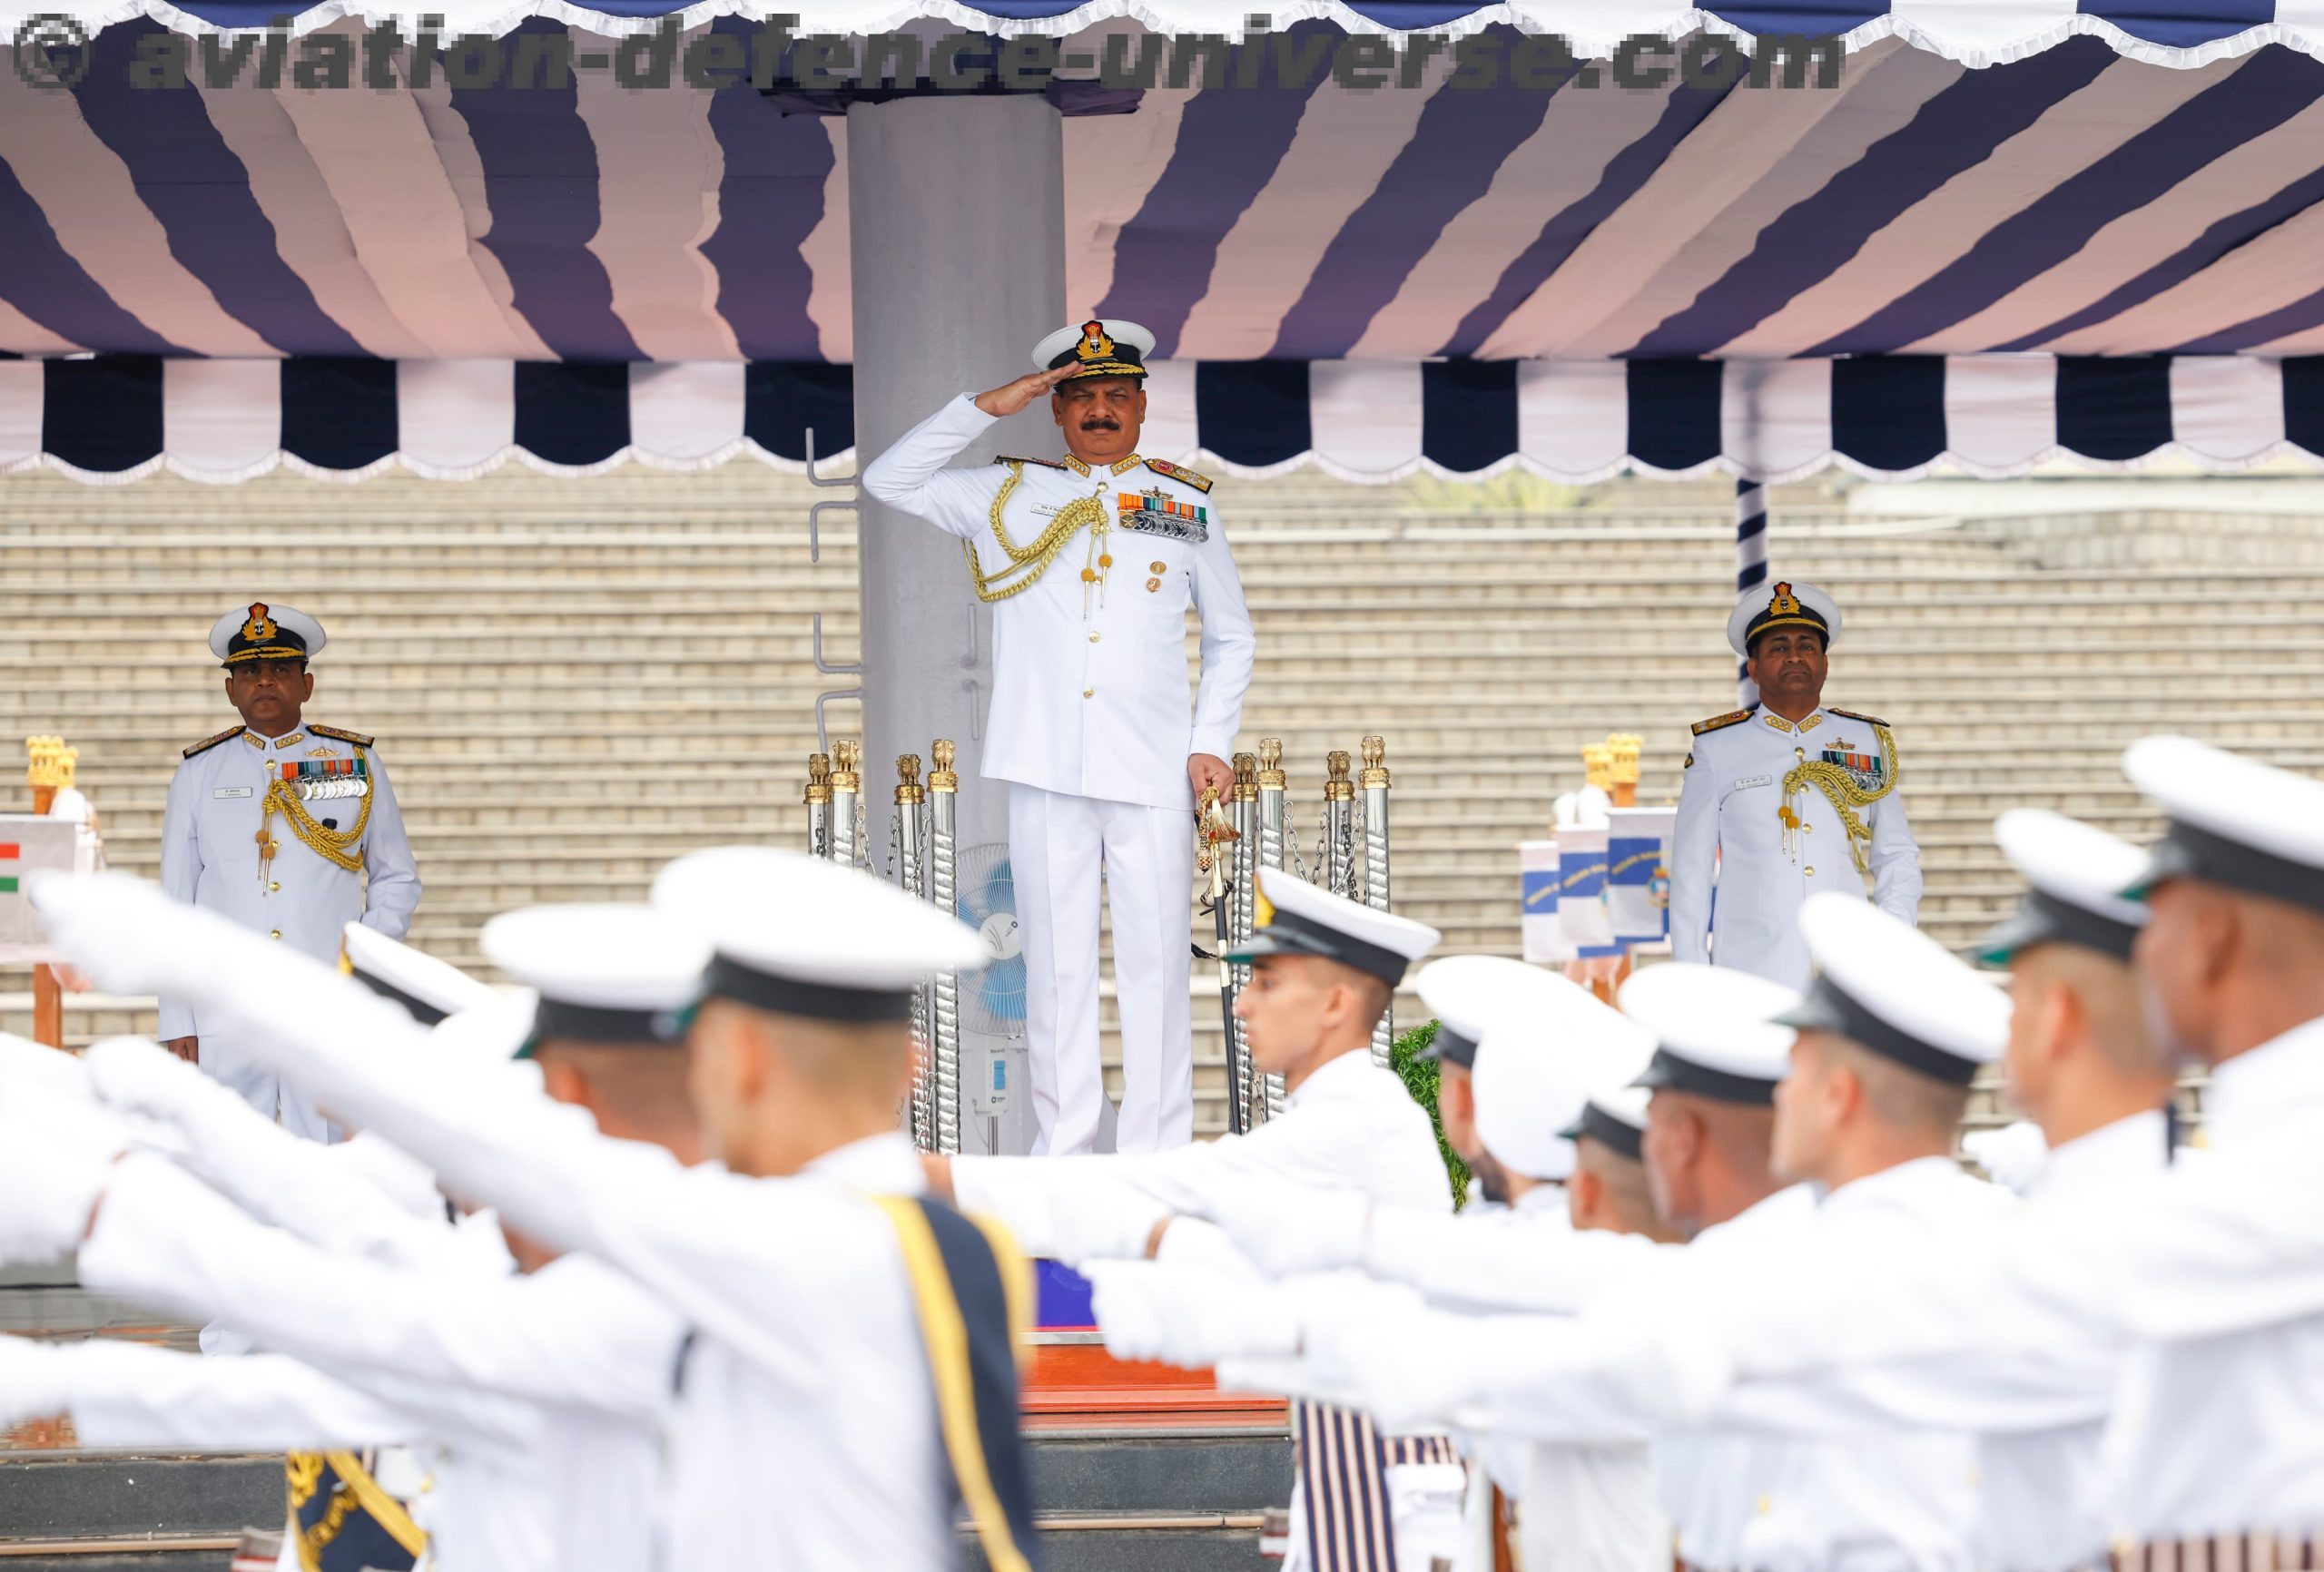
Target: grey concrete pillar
pixel 956 211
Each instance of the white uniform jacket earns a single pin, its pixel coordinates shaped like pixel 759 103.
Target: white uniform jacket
pixel 1089 678
pixel 1731 834
pixel 210 853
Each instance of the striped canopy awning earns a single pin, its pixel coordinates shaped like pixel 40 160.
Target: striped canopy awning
pixel 2016 180
pixel 112 418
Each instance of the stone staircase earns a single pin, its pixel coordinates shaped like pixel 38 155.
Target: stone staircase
pixel 574 681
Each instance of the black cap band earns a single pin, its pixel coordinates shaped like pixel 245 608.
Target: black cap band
pixel 1293 934
pixel 2043 919
pixel 731 980
pixel 1668 1071
pixel 1624 1140
pixel 1828 1008
pixel 1453 1047
pixel 417 1008
pixel 563 1021
pixel 2188 852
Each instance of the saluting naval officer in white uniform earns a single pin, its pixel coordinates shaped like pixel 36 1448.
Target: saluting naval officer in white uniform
pixel 1089 563
pixel 1785 798
pixel 283 826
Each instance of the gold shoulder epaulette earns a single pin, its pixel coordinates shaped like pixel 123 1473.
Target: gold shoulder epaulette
pixel 1044 463
pixel 1732 718
pixel 1180 473
pixel 229 734
pixel 357 737
pixel 1853 715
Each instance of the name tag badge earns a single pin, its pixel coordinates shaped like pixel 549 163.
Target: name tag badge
pixel 1750 780
pixel 229 791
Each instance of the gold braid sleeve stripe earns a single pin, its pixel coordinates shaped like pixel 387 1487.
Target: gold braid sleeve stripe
pixel 1845 796
pixel 1027 563
pixel 330 845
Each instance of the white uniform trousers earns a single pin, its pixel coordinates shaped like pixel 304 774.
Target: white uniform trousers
pixel 264 1090
pixel 1059 848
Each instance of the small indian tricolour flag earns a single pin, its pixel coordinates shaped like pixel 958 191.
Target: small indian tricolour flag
pixel 10 854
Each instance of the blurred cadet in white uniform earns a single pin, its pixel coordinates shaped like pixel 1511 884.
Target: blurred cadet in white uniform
pixel 286 826
pixel 1323 970
pixel 1090 562
pixel 1784 800
pixel 835 1312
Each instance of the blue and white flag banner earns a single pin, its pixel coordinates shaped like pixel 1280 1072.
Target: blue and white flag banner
pixel 113 418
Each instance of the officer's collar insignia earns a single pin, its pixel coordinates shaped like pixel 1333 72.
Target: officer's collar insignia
pixel 1778 722
pixel 1263 909
pixel 1119 465
pixel 1094 346
pixel 1813 722
pixel 1076 465
pixel 260 628
pixel 255 740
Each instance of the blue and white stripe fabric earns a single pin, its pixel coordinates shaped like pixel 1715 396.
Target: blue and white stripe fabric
pixel 118 416
pixel 2074 202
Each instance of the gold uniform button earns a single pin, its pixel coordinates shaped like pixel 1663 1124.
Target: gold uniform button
pixel 1811 873
pixel 1764 1505
pixel 1799 752
pixel 1155 567
pixel 273 886
pixel 1093 638
pixel 1808 830
pixel 276 934
pixel 1152 585
pixel 1088 693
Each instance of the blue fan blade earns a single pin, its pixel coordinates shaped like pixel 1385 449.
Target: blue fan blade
pixel 1002 989
pixel 1000 889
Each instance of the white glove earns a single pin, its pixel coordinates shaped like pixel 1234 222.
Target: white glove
pixel 1287 1229
pixel 34 1379
pixel 2014 1155
pixel 1187 1317
pixel 1276 1375
pixel 36 1069
pixel 1101 1220
pixel 56 1157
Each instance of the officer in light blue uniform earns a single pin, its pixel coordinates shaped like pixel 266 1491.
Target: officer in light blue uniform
pixel 283 826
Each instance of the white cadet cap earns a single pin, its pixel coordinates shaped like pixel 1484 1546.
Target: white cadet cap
pixel 1296 918
pixel 1548 1044
pixel 1461 991
pixel 2234 822
pixel 265 631
pixel 1787 604
pixel 802 935
pixel 1102 346
pixel 427 989
pixel 2078 873
pixel 1616 1120
pixel 624 976
pixel 1890 988
pixel 1715 1030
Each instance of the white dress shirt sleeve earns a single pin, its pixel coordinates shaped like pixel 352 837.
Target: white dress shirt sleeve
pixel 1693 860
pixel 163 1238
pixel 1491 1266
pixel 181 877
pixel 911 475
pixel 392 890
pixel 129 1395
pixel 1228 645
pixel 1894 859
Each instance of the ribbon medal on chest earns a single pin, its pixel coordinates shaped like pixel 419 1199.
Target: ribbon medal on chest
pixel 1865 769
pixel 320 780
pixel 1154 512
